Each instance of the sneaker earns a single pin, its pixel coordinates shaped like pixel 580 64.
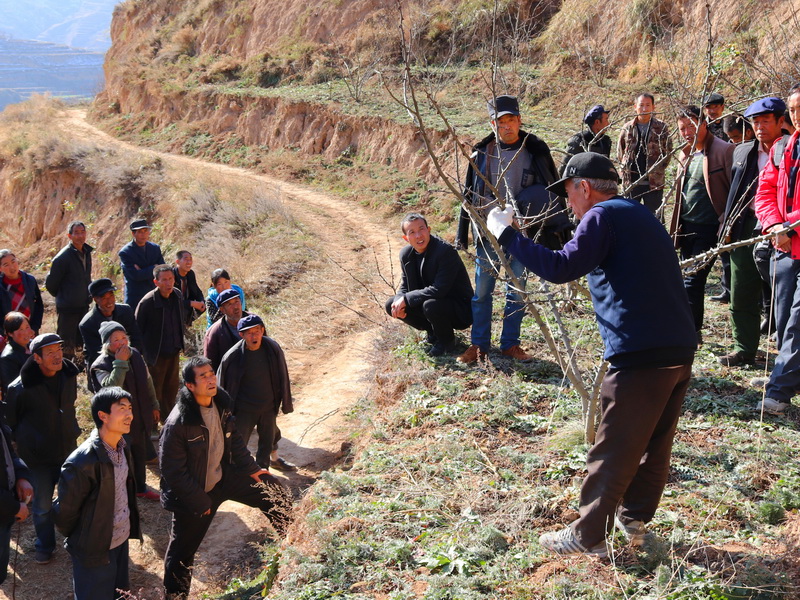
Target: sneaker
pixel 634 531
pixel 473 354
pixel 517 353
pixel 564 542
pixel 42 558
pixel 772 407
pixel 281 464
pixel 736 359
pixel 759 382
pixel 149 495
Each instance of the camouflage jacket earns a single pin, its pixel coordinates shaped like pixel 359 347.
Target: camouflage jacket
pixel 659 152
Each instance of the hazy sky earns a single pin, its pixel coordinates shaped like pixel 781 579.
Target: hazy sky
pixel 76 23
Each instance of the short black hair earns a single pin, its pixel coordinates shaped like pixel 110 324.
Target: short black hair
pixel 793 90
pixel 736 122
pixel 689 111
pixel 13 321
pixel 193 363
pixel 787 118
pixel 412 217
pixel 104 399
pixel 647 95
pixel 216 274
pixel 158 269
pixel 181 253
pixel 71 227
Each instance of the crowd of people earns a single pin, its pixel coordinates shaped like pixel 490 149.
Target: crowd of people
pixel 207 410
pixel 736 179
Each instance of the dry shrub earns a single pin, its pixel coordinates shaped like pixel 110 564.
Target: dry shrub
pixel 224 69
pixel 184 41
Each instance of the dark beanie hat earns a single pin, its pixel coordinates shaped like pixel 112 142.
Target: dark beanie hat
pixel 107 328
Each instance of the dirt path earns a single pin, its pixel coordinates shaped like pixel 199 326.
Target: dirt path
pixel 327 349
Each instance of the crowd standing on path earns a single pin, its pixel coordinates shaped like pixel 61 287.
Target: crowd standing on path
pixel 132 353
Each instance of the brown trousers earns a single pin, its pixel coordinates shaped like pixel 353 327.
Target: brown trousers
pixel 629 462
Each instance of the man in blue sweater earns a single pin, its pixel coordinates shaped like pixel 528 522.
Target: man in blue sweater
pixel 648 332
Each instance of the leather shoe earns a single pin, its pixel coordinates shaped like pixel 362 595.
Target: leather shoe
pixel 736 359
pixel 722 298
pixel 281 464
pixel 440 348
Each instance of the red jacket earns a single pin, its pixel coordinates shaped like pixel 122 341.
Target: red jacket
pixel 770 201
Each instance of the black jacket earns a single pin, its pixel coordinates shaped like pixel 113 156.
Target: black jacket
pixel 744 183
pixel 582 142
pixel 33 295
pixel 194 294
pixel 150 319
pixel 90 330
pixel 45 427
pixel 232 366
pixel 84 509
pixel 9 503
pixel 69 278
pixel 218 340
pixel 11 361
pixel 542 167
pixel 139 281
pixel 183 452
pixel 443 275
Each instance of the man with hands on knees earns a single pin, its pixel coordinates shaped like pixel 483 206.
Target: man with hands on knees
pixel 648 332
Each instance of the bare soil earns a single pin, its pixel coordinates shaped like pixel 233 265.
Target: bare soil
pixel 328 348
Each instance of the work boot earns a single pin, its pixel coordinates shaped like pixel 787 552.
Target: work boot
pixel 472 355
pixel 736 359
pixel 517 353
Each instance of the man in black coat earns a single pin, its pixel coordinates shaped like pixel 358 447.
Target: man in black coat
pixel 194 303
pixel 15 493
pixel 593 139
pixel 68 281
pixel 255 375
pixel 204 462
pixel 96 508
pixel 105 309
pixel 435 292
pixel 160 319
pixel 40 409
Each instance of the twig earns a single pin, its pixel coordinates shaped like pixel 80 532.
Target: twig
pixel 316 422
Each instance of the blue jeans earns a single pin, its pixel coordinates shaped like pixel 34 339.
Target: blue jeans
pixel 485 279
pixel 102 583
pixel 785 377
pixel 5 543
pixel 44 480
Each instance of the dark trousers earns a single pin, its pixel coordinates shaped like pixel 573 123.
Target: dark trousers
pixel 629 462
pixel 188 529
pixel 67 327
pixel 437 316
pixel 762 255
pixel 696 239
pixel 745 288
pixel 725 279
pixel 137 442
pixel 650 198
pixel 102 583
pixel 165 379
pixel 265 422
pixel 5 547
pixel 44 479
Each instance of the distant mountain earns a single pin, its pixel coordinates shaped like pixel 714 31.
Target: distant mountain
pixel 28 67
pixel 75 23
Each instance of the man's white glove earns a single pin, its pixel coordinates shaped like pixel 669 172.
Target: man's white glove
pixel 498 220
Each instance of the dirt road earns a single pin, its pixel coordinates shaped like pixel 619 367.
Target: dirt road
pixel 328 347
